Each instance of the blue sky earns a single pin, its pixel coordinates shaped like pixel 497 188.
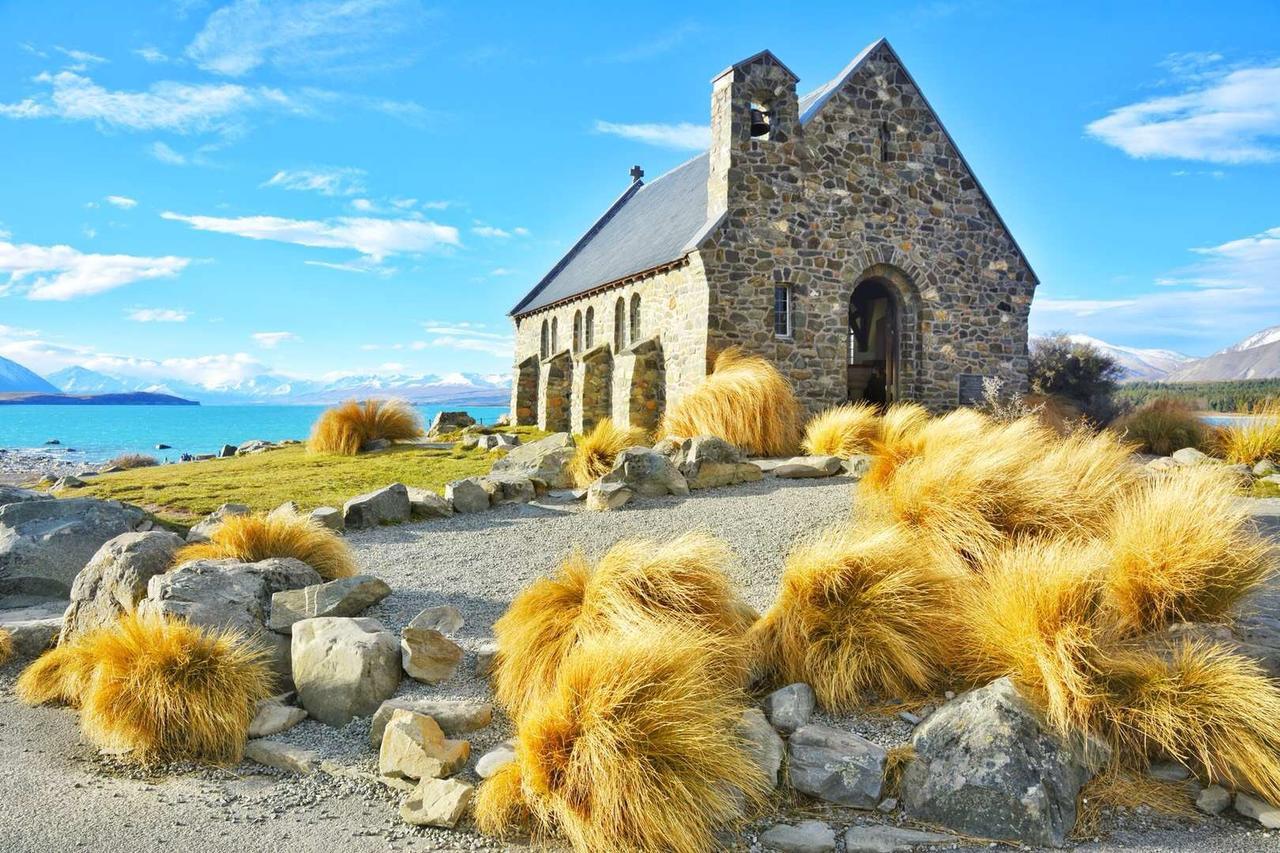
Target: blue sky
pixel 207 190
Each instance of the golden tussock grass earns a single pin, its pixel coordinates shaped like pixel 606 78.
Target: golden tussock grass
pixel 896 761
pixel 635 749
pixel 682 581
pixel 346 427
pixel 59 676
pixel 746 401
pixel 1162 426
pixel 597 450
pixel 251 538
pixel 130 461
pixel 1182 548
pixel 1116 787
pixel 6 646
pixel 860 610
pixel 500 808
pixel 842 431
pixel 1253 438
pixel 898 440
pixel 165 690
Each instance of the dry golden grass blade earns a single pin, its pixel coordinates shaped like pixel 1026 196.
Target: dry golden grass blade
pixel 1182 548
pixel 636 749
pixel 1163 426
pixel 500 807
pixel 862 610
pixel 250 538
pixel 895 764
pixel 897 442
pixel 597 450
pixel 745 401
pixel 163 690
pixel 60 676
pixel 1116 787
pixel 1252 439
pixel 842 431
pixel 6 646
pixel 346 427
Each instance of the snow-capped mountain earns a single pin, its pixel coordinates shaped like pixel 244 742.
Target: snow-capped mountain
pixel 15 377
pixel 1138 364
pixel 475 389
pixel 1257 339
pixel 1255 357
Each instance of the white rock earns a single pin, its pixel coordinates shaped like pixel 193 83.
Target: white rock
pixel 1263 812
pixel 414 747
pixel 495 759
pixel 437 802
pixel 890 839
pixel 445 618
pixel 281 756
pixel 807 836
pixel 1213 799
pixel 272 717
pixel 344 667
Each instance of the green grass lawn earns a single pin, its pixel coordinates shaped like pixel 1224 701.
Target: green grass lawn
pixel 189 490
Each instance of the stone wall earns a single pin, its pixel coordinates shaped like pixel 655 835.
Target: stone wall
pixel 822 209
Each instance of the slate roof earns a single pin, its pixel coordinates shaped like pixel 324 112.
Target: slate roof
pixel 654 224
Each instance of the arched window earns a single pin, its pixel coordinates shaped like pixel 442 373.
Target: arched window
pixel 620 325
pixel 590 333
pixel 577 332
pixel 545 349
pixel 555 335
pixel 635 317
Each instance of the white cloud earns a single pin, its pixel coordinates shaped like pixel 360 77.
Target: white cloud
pixel 209 371
pixel 489 231
pixel 159 315
pixel 122 201
pixel 1230 290
pixel 1223 116
pixel 683 135
pixel 9 332
pixel 271 340
pixel 498 349
pixel 59 273
pixel 403 203
pixel 82 58
pixel 151 54
pixel 176 107
pixel 165 154
pixel 328 180
pixel 500 271
pixel 437 205
pixel 374 238
pixel 656 46
pixel 363 205
pixel 306 35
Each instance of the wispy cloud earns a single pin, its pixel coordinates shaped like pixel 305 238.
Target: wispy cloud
pixel 326 180
pixel 121 201
pixel 165 154
pixel 60 273
pixel 271 340
pixel 209 371
pixel 1203 305
pixel 159 315
pixel 1222 116
pixel 683 135
pixel 81 59
pixel 304 36
pixel 151 54
pixel 660 44
pixel 375 238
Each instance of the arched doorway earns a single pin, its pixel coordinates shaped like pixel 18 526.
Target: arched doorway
pixel 874 338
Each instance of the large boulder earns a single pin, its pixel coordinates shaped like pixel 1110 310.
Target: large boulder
pixel 986 766
pixel 388 505
pixel 342 597
pixel 116 579
pixel 344 668
pixel 449 422
pixel 203 529
pixel 837 766
pixel 708 461
pixel 45 544
pixel 414 747
pixel 546 459
pixel 467 495
pixel 424 503
pixel 647 472
pixel 809 467
pixel 15 495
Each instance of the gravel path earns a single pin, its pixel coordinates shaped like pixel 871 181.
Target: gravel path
pixel 56 794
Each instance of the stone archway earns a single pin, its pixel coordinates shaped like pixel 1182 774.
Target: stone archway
pixel 524 405
pixel 592 389
pixel 644 372
pixel 882 363
pixel 557 393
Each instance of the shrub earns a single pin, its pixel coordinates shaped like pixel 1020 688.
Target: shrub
pixel 635 749
pixel 1163 426
pixel 250 538
pixel 1077 371
pixel 165 690
pixel 745 401
pixel 842 431
pixel 637 582
pixel 346 428
pixel 1182 548
pixel 129 461
pixel 1254 438
pixel 860 610
pixel 6 646
pixel 596 451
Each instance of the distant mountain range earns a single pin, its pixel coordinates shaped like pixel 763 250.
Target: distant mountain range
pixel 15 377
pixel 1256 357
pixel 1138 364
pixel 463 388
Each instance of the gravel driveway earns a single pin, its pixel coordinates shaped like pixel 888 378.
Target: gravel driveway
pixel 56 794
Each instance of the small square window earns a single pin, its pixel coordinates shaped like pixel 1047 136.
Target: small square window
pixel 782 311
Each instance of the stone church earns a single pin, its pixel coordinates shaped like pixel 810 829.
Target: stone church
pixel 840 234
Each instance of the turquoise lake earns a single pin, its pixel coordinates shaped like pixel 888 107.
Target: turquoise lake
pixel 96 433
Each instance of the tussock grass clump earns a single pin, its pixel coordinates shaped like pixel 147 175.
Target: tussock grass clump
pixel 901 436
pixel 6 646
pixel 130 461
pixel 745 401
pixel 500 808
pixel 635 749
pixel 59 676
pixel 345 428
pixel 842 431
pixel 597 450
pixel 1116 787
pixel 860 610
pixel 637 582
pixel 165 690
pixel 250 538
pixel 1182 549
pixel 1253 438
pixel 1162 426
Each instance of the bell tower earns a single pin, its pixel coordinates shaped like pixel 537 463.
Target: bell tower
pixel 754 116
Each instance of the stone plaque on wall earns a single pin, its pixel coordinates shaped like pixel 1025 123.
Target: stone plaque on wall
pixel 970 391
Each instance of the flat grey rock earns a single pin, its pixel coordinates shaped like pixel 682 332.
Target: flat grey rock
pixel 342 597
pixel 836 766
pixel 788 708
pixel 891 839
pixel 45 544
pixel 388 505
pixel 454 716
pixel 807 836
